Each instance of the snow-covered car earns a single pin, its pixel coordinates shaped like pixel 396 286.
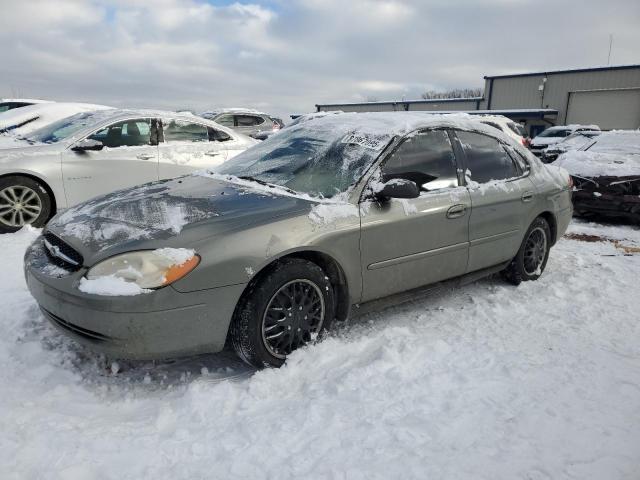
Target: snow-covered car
pixel 7 104
pixel 575 141
pixel 253 123
pixel 606 175
pixel 274 245
pixel 21 121
pixel 96 152
pixel 556 134
pixel 312 116
pixel 506 126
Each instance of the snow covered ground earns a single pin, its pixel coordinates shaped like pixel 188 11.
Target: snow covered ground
pixel 484 382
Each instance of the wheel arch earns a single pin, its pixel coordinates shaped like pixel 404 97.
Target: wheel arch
pixel 41 181
pixel 553 225
pixel 329 265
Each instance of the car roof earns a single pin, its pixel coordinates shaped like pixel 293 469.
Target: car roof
pixel 240 111
pixel 400 123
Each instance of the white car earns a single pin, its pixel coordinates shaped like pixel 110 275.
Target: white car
pixel 506 126
pixel 97 152
pixel 556 134
pixel 7 104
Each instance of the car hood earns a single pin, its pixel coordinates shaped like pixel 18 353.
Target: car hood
pixel 12 148
pixel 171 213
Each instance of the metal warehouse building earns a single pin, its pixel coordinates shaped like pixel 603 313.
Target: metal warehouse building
pixel 606 96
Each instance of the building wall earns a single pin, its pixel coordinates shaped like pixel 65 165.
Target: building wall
pixel 523 91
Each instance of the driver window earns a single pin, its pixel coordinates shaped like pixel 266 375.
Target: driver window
pixel 130 133
pixel 426 158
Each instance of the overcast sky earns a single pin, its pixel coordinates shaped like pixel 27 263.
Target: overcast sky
pixel 285 56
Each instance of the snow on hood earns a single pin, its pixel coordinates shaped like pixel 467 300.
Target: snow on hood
pixel 162 210
pixel 37 116
pixel 597 164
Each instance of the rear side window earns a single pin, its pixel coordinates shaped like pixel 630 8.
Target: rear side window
pixel 248 120
pixel 494 125
pixel 225 120
pixel 427 159
pixel 130 133
pixel 181 131
pixel 486 158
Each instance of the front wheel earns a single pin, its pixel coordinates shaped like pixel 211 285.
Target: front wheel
pixel 531 259
pixel 23 201
pixel 285 309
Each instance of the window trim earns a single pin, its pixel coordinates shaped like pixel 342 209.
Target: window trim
pixel 153 142
pixel 386 156
pixel 458 144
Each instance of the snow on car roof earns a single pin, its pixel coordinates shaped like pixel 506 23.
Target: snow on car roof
pixel 218 111
pixel 25 100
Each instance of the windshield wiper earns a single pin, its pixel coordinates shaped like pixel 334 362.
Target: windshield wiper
pixel 267 184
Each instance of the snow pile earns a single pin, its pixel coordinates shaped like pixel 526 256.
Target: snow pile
pixel 486 381
pixel 328 213
pixel 110 285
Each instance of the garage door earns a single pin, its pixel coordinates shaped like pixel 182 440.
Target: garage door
pixel 606 108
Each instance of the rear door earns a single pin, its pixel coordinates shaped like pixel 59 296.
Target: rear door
pixel 502 198
pixel 407 243
pixel 129 157
pixel 188 145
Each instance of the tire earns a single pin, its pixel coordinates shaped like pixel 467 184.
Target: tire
pixel 531 259
pixel 23 201
pixel 257 315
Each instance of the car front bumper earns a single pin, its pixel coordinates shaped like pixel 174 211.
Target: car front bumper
pixel 158 325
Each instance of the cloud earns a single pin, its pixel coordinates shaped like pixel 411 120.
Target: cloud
pixel 286 56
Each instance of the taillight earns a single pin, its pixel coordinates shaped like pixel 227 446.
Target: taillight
pixel 570 182
pixel 276 126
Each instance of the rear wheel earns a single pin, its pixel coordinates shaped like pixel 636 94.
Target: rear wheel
pixel 531 259
pixel 285 309
pixel 23 201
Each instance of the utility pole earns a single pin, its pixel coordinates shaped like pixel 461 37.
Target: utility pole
pixel 610 45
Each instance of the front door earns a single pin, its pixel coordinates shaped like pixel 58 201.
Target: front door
pixel 502 199
pixel 129 157
pixel 407 243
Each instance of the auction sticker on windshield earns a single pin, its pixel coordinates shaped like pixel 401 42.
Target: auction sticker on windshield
pixel 374 142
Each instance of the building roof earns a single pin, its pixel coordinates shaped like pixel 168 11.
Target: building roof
pixel 576 70
pixel 396 102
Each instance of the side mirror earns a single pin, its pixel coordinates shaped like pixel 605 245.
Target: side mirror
pixel 399 188
pixel 87 144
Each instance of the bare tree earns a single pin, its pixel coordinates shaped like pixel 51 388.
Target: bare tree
pixel 453 93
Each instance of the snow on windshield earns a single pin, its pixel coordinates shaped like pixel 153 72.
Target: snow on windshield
pixel 66 127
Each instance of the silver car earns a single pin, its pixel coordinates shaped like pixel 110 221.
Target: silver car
pixel 271 248
pixel 249 122
pixel 93 153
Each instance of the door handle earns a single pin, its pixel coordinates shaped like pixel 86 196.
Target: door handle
pixel 456 211
pixel 213 153
pixel 527 196
pixel 145 156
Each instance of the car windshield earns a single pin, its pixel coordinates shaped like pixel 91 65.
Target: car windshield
pixel 57 131
pixel 624 142
pixel 554 132
pixel 321 158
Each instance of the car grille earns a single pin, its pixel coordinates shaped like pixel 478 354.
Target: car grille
pixel 61 254
pixel 89 335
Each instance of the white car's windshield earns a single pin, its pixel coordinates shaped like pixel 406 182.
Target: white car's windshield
pixel 57 131
pixel 555 132
pixel 321 158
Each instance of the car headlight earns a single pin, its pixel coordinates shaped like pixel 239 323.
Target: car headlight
pixel 147 268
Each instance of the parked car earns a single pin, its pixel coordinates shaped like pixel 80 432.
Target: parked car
pixel 287 236
pixel 506 126
pixel 21 121
pixel 92 153
pixel 249 122
pixel 312 116
pixel 575 141
pixel 12 103
pixel 606 175
pixel 556 134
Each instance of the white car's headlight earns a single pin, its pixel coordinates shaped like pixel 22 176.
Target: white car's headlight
pixel 147 268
